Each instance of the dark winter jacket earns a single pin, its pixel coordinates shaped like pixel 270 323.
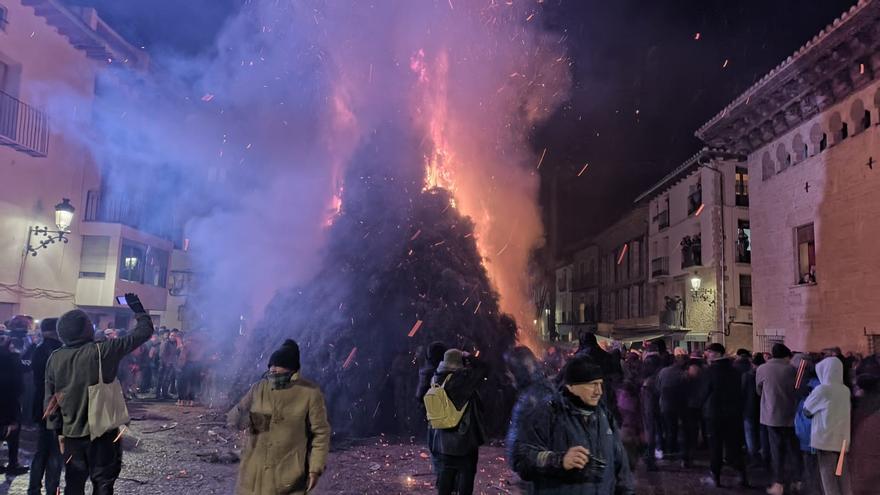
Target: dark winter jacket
pixel 751 401
pixel 864 456
pixel 462 390
pixel 671 387
pixel 540 441
pixel 426 373
pixel 74 367
pixel 11 386
pixel 537 395
pixel 722 392
pixel 38 364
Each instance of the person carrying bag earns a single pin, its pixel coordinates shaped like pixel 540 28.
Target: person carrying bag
pixel 82 407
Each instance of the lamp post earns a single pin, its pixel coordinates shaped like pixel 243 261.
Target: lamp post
pixel 63 219
pixel 700 294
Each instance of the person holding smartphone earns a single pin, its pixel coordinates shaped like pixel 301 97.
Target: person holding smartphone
pixel 69 373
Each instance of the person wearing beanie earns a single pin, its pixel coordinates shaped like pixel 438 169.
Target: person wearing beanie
pixel 70 371
pixel 722 410
pixel 47 458
pixel 570 445
pixel 286 419
pixel 457 449
pixel 775 383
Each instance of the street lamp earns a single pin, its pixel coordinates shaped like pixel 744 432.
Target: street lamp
pixel 700 294
pixel 63 219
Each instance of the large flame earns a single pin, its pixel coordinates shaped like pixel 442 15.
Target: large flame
pixel 445 167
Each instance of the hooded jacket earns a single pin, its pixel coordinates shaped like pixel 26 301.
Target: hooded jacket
pixel 74 367
pixel 829 406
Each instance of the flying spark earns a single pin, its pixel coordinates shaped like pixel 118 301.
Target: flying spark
pixel 121 432
pixel 542 158
pixel 724 65
pixel 480 303
pixel 700 209
pixel 583 169
pixel 697 36
pixel 415 328
pixel 622 253
pixel 350 358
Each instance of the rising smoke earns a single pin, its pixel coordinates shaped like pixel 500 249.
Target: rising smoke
pixel 301 104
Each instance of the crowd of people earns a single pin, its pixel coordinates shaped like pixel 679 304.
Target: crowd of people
pixel 47 368
pixel 582 425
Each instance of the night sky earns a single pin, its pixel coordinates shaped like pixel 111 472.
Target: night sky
pixel 643 82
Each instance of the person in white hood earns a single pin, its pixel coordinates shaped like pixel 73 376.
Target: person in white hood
pixel 829 406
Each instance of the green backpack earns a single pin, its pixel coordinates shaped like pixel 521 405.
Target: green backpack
pixel 440 411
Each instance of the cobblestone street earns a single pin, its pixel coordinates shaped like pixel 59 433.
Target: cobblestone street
pixel 174 450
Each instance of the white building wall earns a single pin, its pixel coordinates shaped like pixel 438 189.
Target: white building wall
pixel 41 60
pixel 842 203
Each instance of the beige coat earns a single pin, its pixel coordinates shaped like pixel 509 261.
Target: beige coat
pixel 288 437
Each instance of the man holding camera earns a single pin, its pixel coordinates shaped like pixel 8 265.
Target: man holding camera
pixel 570 445
pixel 69 373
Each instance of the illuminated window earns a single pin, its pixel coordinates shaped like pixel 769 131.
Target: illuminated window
pixel 806 253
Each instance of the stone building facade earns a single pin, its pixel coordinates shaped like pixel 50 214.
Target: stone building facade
pixel 699 234
pixel 49 49
pixel 810 131
pixel 602 284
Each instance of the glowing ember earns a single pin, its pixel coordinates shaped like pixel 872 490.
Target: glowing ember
pixel 622 253
pixel 699 210
pixel 121 432
pixel 583 169
pixel 415 328
pixel 350 358
pixel 697 36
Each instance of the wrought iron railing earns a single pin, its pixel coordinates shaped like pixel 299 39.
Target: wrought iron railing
pixel 23 127
pixel 660 266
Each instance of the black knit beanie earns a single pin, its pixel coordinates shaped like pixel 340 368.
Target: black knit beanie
pixel 75 326
pixel 581 370
pixel 780 351
pixel 287 356
pixel 434 353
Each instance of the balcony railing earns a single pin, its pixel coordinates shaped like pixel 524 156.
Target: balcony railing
pixel 662 219
pixel 23 127
pixel 100 208
pixel 660 266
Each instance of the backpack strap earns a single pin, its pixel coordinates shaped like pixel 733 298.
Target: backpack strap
pixel 441 385
pixel 100 370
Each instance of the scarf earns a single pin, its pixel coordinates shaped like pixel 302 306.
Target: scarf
pixel 281 381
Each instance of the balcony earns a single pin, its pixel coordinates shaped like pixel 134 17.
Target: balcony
pixel 660 266
pixel 662 219
pixel 158 222
pixel 23 127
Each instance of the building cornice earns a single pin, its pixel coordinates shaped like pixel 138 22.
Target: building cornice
pixel 86 31
pixel 697 160
pixel 842 58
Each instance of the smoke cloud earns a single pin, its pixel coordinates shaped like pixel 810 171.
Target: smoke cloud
pixel 266 145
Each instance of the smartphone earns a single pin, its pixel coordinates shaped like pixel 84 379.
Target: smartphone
pixel 121 300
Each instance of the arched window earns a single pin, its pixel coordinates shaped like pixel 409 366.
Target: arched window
pixel 799 148
pixel 816 137
pixel 783 157
pixel 823 144
pixel 857 114
pixel 767 168
pixel 836 126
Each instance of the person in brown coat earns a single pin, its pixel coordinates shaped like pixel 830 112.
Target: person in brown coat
pixel 288 431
